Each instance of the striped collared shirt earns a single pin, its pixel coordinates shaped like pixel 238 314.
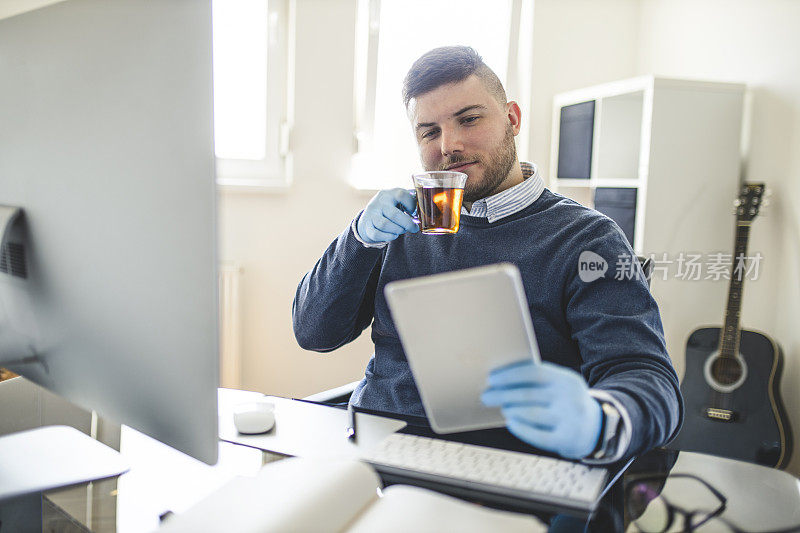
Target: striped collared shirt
pixel 511 200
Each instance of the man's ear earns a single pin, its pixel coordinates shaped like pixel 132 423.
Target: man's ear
pixel 514 116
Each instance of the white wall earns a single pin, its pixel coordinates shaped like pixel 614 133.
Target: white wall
pixel 577 43
pixel 580 43
pixel 278 237
pixel 755 42
pixel 273 361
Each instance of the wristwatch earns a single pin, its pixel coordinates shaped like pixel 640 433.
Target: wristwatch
pixel 609 432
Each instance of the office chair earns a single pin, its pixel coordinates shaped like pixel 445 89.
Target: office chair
pixel 341 394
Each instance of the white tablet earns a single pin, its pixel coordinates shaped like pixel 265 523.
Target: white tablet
pixel 457 327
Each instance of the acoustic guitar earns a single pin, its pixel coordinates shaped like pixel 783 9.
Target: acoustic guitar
pixel 731 385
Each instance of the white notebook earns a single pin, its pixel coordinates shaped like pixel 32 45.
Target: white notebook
pixel 320 496
pixel 457 327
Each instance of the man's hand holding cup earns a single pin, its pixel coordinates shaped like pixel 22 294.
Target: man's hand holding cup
pixel 386 217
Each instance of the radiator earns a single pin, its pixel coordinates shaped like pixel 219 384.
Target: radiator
pixel 230 325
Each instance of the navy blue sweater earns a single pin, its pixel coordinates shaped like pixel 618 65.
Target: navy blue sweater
pixel 608 329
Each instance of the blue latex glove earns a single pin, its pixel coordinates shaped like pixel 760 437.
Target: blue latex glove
pixel 386 217
pixel 547 406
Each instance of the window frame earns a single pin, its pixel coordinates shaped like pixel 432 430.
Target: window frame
pixel 274 171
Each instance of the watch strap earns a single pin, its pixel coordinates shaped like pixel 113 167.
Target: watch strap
pixel 609 433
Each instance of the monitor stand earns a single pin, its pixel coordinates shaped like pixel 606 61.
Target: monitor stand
pixel 50 457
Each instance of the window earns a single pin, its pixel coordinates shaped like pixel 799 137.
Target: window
pixel 251 112
pixel 392 35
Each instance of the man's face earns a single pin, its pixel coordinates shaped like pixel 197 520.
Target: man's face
pixel 461 126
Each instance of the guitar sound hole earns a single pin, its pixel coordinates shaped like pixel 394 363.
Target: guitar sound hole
pixel 726 371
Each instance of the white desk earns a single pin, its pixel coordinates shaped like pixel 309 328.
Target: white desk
pixel 759 498
pixel 162 478
pixel 305 429
pixel 308 430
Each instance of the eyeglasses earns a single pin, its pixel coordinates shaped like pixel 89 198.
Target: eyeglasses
pixel 653 513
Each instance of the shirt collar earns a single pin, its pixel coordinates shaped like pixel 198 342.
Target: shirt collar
pixel 511 200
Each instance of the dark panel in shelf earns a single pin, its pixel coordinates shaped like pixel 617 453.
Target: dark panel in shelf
pixel 575 141
pixel 619 204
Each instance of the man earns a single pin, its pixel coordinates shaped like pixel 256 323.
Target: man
pixel 607 388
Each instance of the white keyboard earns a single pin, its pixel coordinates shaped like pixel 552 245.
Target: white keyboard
pixel 519 475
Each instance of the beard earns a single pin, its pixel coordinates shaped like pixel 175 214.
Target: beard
pixel 497 166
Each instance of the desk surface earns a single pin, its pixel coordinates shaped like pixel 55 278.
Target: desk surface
pixel 305 429
pixel 162 479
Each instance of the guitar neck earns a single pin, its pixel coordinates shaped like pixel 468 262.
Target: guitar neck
pixel 729 341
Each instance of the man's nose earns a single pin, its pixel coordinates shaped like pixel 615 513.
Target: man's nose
pixel 451 142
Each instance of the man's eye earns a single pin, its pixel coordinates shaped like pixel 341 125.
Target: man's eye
pixel 470 120
pixel 430 133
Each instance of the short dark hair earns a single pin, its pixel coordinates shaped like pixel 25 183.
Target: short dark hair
pixel 449 64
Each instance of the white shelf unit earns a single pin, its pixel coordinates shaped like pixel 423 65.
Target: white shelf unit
pixel 677 142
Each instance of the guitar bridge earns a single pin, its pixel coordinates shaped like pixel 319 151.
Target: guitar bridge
pixel 722 415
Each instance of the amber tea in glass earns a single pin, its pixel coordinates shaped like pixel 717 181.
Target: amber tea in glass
pixel 439 196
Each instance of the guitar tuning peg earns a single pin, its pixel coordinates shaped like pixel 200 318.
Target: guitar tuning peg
pixel 737 203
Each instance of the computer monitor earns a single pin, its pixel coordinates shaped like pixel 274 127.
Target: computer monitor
pixel 108 289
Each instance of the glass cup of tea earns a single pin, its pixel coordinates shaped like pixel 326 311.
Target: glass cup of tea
pixel 439 196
